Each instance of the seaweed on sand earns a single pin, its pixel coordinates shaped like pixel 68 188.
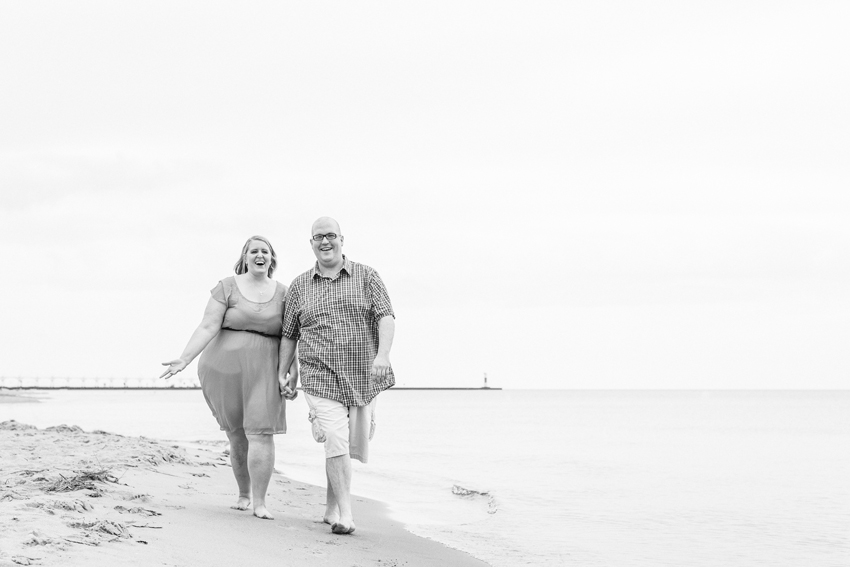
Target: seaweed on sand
pixel 83 480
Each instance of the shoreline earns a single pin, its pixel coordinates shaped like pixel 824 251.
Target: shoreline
pixel 101 499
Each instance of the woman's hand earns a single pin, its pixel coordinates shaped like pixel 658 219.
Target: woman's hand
pixel 174 367
pixel 287 387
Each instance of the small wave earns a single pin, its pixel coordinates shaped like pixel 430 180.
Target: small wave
pixel 492 503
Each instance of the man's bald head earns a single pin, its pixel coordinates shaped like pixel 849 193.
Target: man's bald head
pixel 327 224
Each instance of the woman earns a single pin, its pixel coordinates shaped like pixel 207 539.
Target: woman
pixel 240 338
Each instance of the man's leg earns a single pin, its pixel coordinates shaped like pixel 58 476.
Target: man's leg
pixel 260 465
pixel 239 464
pixel 339 481
pixel 331 507
pixel 332 419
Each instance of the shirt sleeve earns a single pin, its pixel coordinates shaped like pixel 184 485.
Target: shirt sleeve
pixel 220 292
pixel 291 311
pixel 379 298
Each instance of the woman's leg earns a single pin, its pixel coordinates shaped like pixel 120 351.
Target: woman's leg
pixel 239 463
pixel 260 466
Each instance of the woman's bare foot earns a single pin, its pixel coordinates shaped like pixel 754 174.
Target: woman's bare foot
pixel 243 503
pixel 262 513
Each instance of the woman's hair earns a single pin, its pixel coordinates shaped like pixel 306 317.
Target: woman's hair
pixel 242 266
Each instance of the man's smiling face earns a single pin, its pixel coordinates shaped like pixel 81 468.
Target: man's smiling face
pixel 328 249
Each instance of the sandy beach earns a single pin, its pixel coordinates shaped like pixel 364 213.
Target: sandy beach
pixel 74 497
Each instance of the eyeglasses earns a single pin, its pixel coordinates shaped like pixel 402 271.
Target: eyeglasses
pixel 320 237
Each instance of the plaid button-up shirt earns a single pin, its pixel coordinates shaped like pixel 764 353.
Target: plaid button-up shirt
pixel 335 321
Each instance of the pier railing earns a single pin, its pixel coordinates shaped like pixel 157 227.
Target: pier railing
pixel 89 383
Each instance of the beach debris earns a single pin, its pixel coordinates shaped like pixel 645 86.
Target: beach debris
pixel 83 480
pixel 102 432
pixel 137 510
pixel 10 495
pixel 23 560
pixel 151 526
pixel 65 428
pixel 36 538
pixel 108 527
pixel 12 425
pixel 155 454
pixel 200 474
pixel 74 505
pixel 69 505
pixel 84 539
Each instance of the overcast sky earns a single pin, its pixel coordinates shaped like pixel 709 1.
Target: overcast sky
pixel 559 194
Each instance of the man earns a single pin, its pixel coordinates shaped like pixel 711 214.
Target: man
pixel 340 316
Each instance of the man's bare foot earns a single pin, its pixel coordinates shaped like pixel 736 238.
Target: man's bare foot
pixel 243 503
pixel 262 513
pixel 331 514
pixel 343 528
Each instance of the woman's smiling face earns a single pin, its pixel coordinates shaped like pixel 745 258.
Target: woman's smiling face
pixel 258 257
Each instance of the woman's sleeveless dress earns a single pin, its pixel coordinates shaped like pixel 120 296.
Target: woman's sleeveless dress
pixel 238 369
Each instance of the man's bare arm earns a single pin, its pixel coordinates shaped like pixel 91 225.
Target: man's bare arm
pixel 386 332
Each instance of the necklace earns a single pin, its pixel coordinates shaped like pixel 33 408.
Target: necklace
pixel 264 288
pixel 259 288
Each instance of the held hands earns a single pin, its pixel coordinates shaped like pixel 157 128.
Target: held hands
pixel 288 385
pixel 174 367
pixel 380 368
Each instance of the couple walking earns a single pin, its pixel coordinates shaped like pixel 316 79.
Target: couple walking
pixel 339 316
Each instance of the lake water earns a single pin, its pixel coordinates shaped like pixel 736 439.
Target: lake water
pixel 588 478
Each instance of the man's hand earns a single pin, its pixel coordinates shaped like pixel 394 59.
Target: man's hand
pixel 287 386
pixel 380 368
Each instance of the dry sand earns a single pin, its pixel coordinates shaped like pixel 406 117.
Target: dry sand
pixel 69 497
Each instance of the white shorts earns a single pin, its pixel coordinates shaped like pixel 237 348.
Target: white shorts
pixel 343 429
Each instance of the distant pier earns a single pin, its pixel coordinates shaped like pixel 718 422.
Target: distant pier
pixel 53 383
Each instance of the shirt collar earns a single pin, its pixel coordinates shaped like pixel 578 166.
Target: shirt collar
pixel 346 267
